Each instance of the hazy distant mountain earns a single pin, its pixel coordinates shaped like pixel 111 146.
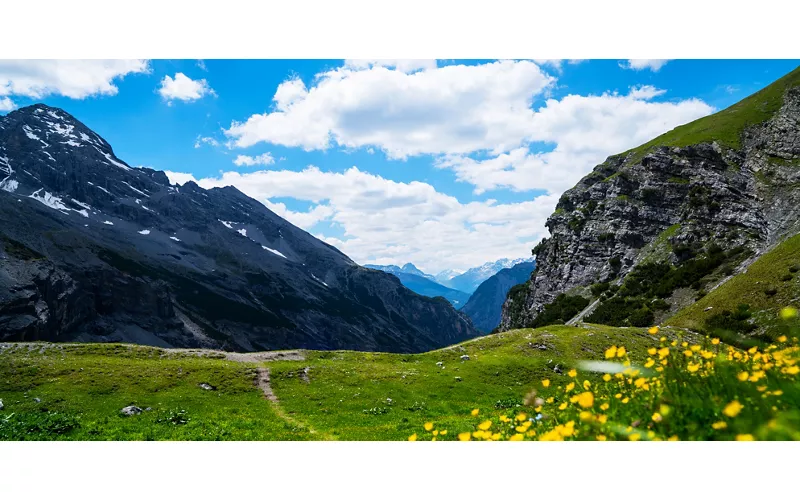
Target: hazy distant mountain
pixel 470 280
pixel 423 284
pixel 447 275
pixel 407 269
pixel 485 306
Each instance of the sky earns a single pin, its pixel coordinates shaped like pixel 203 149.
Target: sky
pixel 444 163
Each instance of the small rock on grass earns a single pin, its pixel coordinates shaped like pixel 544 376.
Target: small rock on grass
pixel 207 387
pixel 464 357
pixel 131 410
pixel 1 404
pixel 458 379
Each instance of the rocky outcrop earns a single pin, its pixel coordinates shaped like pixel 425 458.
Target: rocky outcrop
pixel 651 203
pixel 95 250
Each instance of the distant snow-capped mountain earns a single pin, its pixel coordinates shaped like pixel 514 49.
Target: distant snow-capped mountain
pixel 470 280
pixel 407 269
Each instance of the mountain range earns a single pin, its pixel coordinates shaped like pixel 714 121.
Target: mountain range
pixel 95 250
pixel 423 284
pixel 485 305
pixel 470 280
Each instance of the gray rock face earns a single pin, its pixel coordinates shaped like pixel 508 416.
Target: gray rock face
pixel 94 250
pixel 622 211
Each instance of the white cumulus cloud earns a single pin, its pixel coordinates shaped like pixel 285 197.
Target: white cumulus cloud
pixel 183 88
pixel 77 79
pixel 640 64
pixel 389 221
pixel 249 161
pixel 7 104
pixel 451 109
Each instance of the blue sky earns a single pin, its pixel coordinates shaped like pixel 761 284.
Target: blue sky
pixel 447 164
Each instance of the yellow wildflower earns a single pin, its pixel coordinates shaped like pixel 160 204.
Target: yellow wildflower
pixel 585 416
pixel 517 437
pixel 621 352
pixel 443 432
pixel 695 348
pixel 715 341
pixel 464 436
pixel 788 313
pixel 625 400
pixel 569 387
pixel 657 417
pixel 743 376
pixel 652 351
pixel 753 349
pixel 436 433
pixel 650 362
pixel 693 367
pixel 639 381
pixel 586 385
pixel 607 377
pixel 573 399
pixel 602 419
pixel 719 425
pixel 793 370
pixel 618 395
pixel 572 373
pixel 550 400
pixel 475 412
pixel 485 425
pixel 428 426
pixel 538 409
pixel 653 330
pixel 604 406
pixel 611 352
pixel 586 399
pixel 745 437
pixel 601 437
pixel 663 352
pixel 634 436
pixel 733 408
pixel 562 406
pixel 412 437
pixel 546 383
pixel 782 339
pixel 521 417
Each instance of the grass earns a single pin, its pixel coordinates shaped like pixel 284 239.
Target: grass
pixel 671 384
pixel 348 396
pixel 754 288
pixel 81 390
pixel 726 126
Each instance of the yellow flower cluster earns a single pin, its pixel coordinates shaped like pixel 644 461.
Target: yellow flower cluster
pixel 669 392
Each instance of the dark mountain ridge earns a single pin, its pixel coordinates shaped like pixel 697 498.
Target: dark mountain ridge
pixel 95 250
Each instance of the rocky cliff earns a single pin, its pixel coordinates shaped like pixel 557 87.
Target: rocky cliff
pixel 92 249
pixel 682 211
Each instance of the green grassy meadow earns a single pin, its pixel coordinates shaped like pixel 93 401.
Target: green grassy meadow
pixel 345 395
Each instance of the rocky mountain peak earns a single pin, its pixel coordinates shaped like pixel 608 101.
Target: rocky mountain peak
pixel 123 255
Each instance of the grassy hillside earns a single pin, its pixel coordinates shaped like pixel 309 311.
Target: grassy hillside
pixel 770 283
pixel 523 384
pixel 345 395
pixel 727 125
